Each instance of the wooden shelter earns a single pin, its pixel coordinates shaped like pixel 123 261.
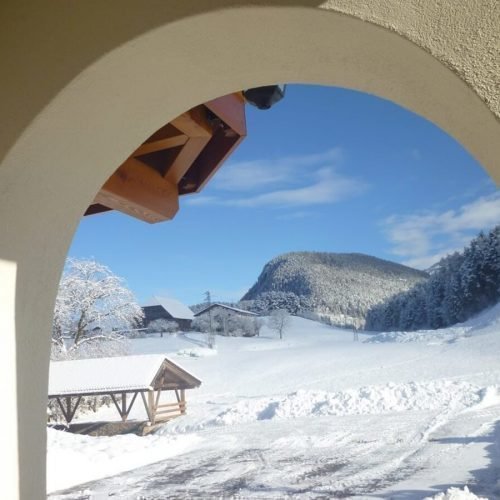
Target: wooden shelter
pixel 177 159
pixel 123 379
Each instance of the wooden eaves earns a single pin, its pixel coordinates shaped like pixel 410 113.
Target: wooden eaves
pixel 178 159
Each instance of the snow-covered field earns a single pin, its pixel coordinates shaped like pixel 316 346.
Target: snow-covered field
pixel 316 415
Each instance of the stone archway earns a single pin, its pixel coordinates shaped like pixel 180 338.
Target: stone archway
pixel 89 82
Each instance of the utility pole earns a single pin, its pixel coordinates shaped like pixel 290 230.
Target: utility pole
pixel 211 337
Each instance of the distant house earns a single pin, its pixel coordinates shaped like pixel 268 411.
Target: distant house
pixel 216 307
pixel 169 309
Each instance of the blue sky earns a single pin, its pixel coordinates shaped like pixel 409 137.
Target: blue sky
pixel 326 169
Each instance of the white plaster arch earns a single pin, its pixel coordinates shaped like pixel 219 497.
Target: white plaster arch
pixel 65 154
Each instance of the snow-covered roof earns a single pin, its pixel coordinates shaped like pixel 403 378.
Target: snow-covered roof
pixel 235 309
pixel 174 307
pixel 101 375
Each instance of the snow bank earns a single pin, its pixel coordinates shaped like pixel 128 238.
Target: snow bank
pixel 367 400
pixel 429 336
pixel 456 494
pixel 74 459
pixel 486 320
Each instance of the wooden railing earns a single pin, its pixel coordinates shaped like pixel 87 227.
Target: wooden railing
pixel 169 410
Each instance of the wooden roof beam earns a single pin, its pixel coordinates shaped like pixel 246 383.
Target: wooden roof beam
pixel 167 143
pixel 141 192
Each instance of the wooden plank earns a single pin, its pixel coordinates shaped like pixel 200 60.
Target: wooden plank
pixel 164 412
pixel 113 398
pixel 140 191
pixel 186 157
pixel 61 406
pixel 151 404
pixel 157 400
pixel 73 411
pixel 169 405
pixel 130 406
pixel 146 406
pixel 183 400
pixel 222 144
pixel 194 123
pixel 231 110
pixel 67 411
pixel 167 143
pixel 123 413
pixel 196 126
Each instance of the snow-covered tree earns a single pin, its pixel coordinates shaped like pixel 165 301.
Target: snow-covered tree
pixel 461 285
pixel 162 325
pixel 228 323
pixel 93 306
pixel 279 321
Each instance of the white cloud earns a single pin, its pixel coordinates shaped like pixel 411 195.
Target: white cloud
pixel 329 187
pixel 422 239
pixel 257 174
pixel 197 200
pixel 298 181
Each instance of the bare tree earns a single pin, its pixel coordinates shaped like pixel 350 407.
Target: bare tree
pixel 257 324
pixel 279 321
pixel 92 306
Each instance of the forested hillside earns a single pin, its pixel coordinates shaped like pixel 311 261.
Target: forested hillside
pixel 460 285
pixel 337 288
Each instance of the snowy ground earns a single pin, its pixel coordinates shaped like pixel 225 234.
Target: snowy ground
pixel 316 415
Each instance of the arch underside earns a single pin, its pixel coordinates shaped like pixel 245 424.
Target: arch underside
pixel 126 91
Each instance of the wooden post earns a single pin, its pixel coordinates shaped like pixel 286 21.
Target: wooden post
pixel 68 412
pixel 123 410
pixel 151 404
pixel 73 411
pixel 146 406
pixel 124 407
pixel 183 402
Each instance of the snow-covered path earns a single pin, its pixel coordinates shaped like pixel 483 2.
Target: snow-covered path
pixel 314 416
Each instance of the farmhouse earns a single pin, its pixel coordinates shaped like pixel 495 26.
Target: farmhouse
pixel 169 309
pixel 123 379
pixel 217 308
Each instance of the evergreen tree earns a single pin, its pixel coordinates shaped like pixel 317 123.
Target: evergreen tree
pixel 461 285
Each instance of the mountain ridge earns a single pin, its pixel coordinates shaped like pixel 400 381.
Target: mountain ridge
pixel 338 288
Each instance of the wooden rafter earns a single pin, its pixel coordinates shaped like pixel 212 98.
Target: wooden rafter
pixel 68 411
pixel 147 408
pixel 167 143
pixel 123 409
pixel 140 191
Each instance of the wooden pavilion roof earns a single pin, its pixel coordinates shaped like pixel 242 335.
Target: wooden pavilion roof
pixel 98 376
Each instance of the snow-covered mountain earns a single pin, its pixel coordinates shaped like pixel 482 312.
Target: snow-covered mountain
pixel 337 287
